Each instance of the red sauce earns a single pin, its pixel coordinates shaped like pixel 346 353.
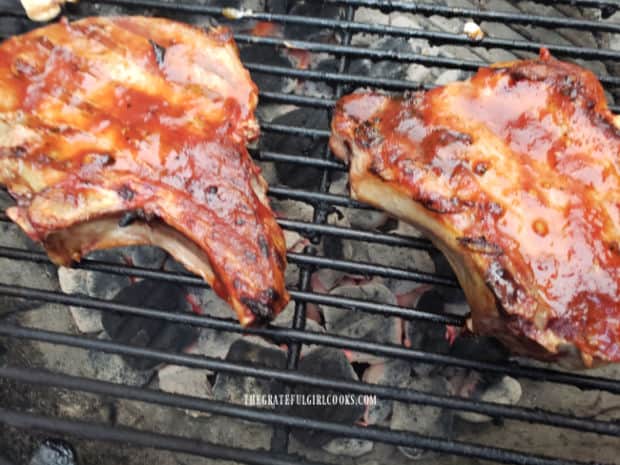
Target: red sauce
pixel 526 157
pixel 160 113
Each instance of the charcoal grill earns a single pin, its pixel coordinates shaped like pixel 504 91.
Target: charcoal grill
pixel 309 260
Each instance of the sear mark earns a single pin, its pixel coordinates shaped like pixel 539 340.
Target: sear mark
pixel 259 309
pixel 443 205
pixel 262 306
pixel 480 168
pixel 133 215
pixel 481 245
pixel 367 134
pixel 126 193
pixel 263 246
pixel 448 136
pixel 18 151
pixel 127 219
pixel 159 51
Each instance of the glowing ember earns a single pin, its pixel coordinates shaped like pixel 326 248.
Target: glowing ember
pixel 301 58
pixel 194 304
pixel 452 333
pixel 266 29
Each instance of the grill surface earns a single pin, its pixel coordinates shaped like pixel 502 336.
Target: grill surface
pixel 322 202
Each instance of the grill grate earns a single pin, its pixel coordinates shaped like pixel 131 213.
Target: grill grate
pixel 296 336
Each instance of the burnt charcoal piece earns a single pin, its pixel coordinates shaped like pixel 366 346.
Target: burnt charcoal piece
pixel 265 55
pixel 334 364
pixel 12 25
pixel 443 268
pixel 14 305
pixel 150 332
pixel 54 452
pixel 231 388
pixel 314 10
pixel 289 173
pixel 276 6
pixel 480 348
pixel 430 337
pixel 383 69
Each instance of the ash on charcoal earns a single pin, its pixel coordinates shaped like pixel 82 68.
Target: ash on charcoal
pixel 506 391
pixel 74 281
pixel 104 285
pixel 383 69
pixel 200 299
pixel 289 173
pixel 285 320
pixel 362 325
pixel 450 295
pixel 421 334
pixel 480 348
pixel 449 76
pixel 21 273
pixel 371 16
pixel 334 364
pixel 186 381
pixel 212 343
pixel 471 384
pixel 350 447
pixel 422 419
pixel 150 332
pixel 118 369
pixel 54 452
pixel 389 373
pixel 252 351
pixel 400 257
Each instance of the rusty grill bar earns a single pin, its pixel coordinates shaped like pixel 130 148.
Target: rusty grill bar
pixel 308 261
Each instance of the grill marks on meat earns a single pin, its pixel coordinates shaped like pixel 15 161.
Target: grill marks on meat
pixel 515 175
pixel 132 130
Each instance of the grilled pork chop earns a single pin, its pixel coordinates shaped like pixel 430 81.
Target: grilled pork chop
pixel 131 130
pixel 515 176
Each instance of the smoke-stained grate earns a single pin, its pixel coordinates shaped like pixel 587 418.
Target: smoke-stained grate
pixel 347 263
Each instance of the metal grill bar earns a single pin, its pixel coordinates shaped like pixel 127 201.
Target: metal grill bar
pixel 350 79
pixel 280 335
pixel 294 130
pixel 429 9
pixel 298 100
pixel 192 280
pixel 426 9
pixel 316 197
pixel 297 159
pixel 280 439
pixel 328 230
pixel 412 57
pixel 353 79
pixel 154 440
pixel 365 268
pixel 175 443
pixel 441 38
pixel 378 54
pixel 599 4
pixel 308 262
pixel 45 378
pixel 358 234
